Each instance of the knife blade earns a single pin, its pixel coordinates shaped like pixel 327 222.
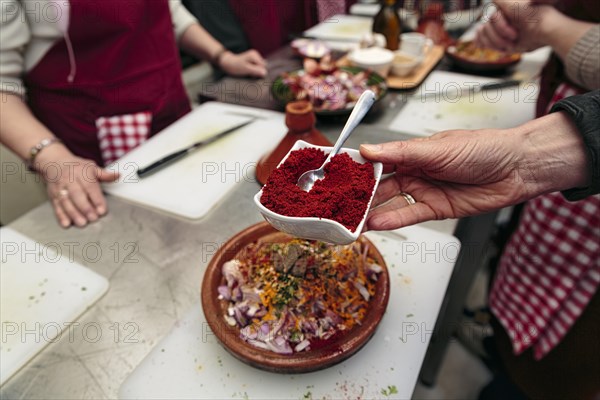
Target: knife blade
pixel 472 88
pixel 179 154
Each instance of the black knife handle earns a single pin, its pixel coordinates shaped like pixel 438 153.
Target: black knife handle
pixel 502 84
pixel 154 167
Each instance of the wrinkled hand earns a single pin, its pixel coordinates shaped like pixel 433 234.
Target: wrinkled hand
pixel 450 175
pixel 248 63
pixel 73 185
pixel 517 26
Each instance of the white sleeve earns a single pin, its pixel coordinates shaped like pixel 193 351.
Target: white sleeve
pixel 14 36
pixel 181 17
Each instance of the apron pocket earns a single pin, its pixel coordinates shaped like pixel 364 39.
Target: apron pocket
pixel 119 134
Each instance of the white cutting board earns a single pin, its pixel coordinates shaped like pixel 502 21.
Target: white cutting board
pixel 342 32
pixel 192 186
pixel 42 292
pixel 457 109
pixel 190 363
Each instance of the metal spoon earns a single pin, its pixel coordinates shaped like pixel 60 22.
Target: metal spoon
pixel 364 103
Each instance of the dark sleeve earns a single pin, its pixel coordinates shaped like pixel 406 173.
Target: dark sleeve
pixel 584 110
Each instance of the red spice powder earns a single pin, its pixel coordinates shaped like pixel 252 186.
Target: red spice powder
pixel 343 195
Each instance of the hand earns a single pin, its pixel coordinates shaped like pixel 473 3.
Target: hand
pixel 450 175
pixel 459 173
pixel 519 26
pixel 248 63
pixel 73 185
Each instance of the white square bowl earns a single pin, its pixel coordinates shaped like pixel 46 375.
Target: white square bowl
pixel 315 228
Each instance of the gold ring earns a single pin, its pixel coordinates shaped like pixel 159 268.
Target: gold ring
pixel 409 199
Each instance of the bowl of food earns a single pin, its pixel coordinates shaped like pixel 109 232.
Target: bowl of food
pixel 291 305
pixel 331 90
pixel 374 58
pixel 467 56
pixel 404 63
pixel 335 209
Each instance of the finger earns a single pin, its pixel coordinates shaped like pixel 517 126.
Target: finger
pixel 79 197
pixel 94 190
pixel 386 190
pixel 72 211
pixel 406 152
pixel 256 58
pixel 393 203
pixel 491 38
pixel 503 27
pixel 399 217
pixel 61 216
pixel 94 193
pixel 255 70
pixel 104 175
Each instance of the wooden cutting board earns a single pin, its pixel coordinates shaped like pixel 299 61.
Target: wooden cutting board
pixel 42 292
pixel 417 76
pixel 190 364
pixel 192 186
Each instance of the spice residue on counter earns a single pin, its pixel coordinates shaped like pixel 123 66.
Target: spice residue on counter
pixel 343 195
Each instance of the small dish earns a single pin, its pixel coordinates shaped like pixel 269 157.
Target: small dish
pixel 468 57
pixel 330 352
pixel 310 48
pixel 374 58
pixel 404 63
pixel 315 228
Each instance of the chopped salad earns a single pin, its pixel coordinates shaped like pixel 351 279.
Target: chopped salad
pixel 328 87
pixel 288 296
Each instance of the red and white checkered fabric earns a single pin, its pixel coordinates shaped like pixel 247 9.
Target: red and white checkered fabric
pixel 121 133
pixel 549 270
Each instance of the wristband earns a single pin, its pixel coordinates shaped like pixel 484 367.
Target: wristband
pixel 35 150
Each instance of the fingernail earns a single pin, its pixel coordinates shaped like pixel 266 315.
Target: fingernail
pixel 374 148
pixel 65 224
pixel 80 222
pixel 101 210
pixel 92 217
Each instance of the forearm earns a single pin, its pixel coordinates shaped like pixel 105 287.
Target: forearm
pixel 561 32
pixel 198 42
pixel 20 130
pixel 553 155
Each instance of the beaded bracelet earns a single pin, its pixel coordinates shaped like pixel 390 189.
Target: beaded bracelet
pixel 35 150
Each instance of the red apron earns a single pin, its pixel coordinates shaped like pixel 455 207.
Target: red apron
pixel 127 64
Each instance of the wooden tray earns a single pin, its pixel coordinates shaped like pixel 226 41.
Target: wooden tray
pixel 415 78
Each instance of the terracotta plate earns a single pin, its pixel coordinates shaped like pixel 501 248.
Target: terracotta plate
pixel 475 65
pixel 327 353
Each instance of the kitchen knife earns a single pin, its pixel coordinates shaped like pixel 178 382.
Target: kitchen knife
pixel 179 154
pixel 472 88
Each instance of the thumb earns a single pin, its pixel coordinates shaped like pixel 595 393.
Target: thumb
pixel 406 153
pixel 105 175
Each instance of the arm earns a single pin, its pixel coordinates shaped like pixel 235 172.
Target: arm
pixel 523 26
pixel 194 39
pixel 460 173
pixel 77 179
pixel 20 131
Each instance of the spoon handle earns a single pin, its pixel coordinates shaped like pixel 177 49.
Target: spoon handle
pixel 363 105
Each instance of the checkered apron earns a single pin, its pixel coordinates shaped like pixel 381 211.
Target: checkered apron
pixel 549 270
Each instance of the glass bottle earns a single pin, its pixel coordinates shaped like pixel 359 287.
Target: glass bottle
pixel 300 120
pixel 387 22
